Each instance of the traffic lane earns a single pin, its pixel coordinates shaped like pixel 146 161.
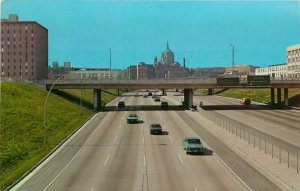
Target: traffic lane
pixel 46 172
pixel 206 169
pixel 242 169
pixel 125 168
pixel 165 170
pixel 283 128
pixel 90 159
pixel 201 171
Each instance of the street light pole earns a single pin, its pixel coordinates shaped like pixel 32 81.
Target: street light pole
pixel 232 45
pixel 81 92
pixel 45 106
pixel 109 63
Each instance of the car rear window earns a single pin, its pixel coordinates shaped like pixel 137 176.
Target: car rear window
pixel 194 141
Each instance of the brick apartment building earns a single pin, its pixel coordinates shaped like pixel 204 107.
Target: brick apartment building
pixel 145 71
pixel 24 49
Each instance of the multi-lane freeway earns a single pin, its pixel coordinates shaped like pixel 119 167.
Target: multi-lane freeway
pixel 109 154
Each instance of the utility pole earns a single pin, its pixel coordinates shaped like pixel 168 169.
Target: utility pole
pixel 109 63
pixel 232 45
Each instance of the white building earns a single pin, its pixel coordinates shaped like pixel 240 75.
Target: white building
pixel 96 74
pixel 289 70
pixel 293 61
pixel 275 71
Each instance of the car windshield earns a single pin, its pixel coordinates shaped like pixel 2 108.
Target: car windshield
pixel 194 141
pixel 132 115
pixel 155 125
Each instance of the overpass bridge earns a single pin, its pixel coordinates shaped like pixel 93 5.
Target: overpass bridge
pixel 186 84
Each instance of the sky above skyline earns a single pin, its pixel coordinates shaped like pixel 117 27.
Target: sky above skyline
pixel 82 31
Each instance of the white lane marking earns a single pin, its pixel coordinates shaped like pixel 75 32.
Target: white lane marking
pixel 92 189
pixel 73 156
pixel 143 140
pixel 22 182
pixel 171 139
pixel 230 170
pixel 107 159
pixel 63 169
pixel 115 139
pixel 195 188
pixel 180 157
pixel 144 160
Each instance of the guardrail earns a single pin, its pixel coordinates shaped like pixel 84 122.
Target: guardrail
pixel 277 148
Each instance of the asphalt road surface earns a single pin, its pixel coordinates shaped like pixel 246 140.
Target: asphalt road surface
pixel 109 154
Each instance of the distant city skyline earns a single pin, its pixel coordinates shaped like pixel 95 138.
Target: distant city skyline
pixel 83 31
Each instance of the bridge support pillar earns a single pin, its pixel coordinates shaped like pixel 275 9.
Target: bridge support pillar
pixel 272 96
pixel 97 98
pixel 188 97
pixel 210 91
pixel 164 92
pixel 279 95
pixel 176 89
pixel 118 92
pixel 286 97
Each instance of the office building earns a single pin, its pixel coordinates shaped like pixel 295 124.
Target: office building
pixel 293 61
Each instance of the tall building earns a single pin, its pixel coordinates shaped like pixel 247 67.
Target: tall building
pixel 167 67
pixel 24 49
pixel 145 71
pixel 293 61
pixel 132 72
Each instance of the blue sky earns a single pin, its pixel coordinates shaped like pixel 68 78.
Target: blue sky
pixel 82 31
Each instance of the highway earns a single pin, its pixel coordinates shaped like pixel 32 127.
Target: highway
pixel 283 124
pixel 109 154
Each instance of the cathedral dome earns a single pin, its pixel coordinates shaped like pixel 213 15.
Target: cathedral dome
pixel 167 50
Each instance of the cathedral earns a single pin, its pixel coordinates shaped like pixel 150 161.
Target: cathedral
pixel 167 67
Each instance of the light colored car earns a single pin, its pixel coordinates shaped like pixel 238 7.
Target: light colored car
pixel 192 145
pixel 132 118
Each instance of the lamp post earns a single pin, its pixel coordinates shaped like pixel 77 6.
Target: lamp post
pixel 109 63
pixel 81 91
pixel 232 45
pixel 45 106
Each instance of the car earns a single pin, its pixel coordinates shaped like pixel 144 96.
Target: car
pixel 164 104
pixel 121 104
pixel 145 95
pixel 245 101
pixel 156 99
pixel 149 93
pixel 155 129
pixel 192 145
pixel 132 118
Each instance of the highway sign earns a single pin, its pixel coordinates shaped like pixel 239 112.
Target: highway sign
pixel 258 80
pixel 232 81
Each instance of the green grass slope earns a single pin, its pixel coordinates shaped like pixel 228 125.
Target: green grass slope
pixel 21 130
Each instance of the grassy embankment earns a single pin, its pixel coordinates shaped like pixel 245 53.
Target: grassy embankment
pixel 21 130
pixel 257 95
